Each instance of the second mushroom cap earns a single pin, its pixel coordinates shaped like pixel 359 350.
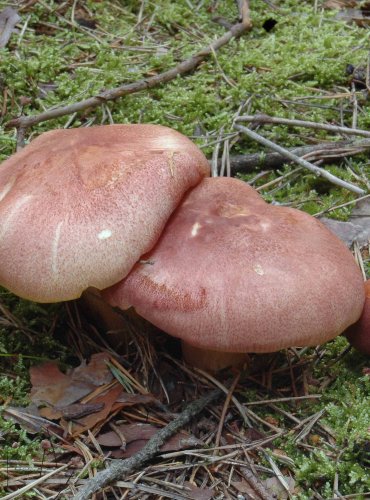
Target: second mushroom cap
pixel 232 273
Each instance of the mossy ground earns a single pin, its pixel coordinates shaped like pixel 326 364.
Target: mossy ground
pixel 297 70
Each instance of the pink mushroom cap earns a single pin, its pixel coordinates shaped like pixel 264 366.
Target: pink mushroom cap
pixel 233 273
pixel 78 207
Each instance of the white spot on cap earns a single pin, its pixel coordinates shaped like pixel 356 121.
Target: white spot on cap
pixel 106 233
pixel 265 226
pixel 6 222
pixel 6 189
pixel 54 249
pixel 195 229
pixel 258 269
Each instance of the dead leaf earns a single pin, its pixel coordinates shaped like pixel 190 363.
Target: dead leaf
pixel 61 394
pixel 357 228
pixel 244 487
pixel 137 435
pixel 277 490
pixel 199 493
pixel 96 371
pixel 8 19
pixel 29 421
pixel 109 399
pixel 51 386
pixel 57 389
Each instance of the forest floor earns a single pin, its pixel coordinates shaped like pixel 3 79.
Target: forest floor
pixel 299 426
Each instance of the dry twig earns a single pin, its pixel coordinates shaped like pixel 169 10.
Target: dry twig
pixel 119 468
pixel 147 83
pixel 326 152
pixel 245 13
pixel 8 19
pixel 262 119
pixel 304 163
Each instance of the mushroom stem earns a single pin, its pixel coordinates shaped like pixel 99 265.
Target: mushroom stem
pixel 212 361
pixel 118 325
pixel 100 313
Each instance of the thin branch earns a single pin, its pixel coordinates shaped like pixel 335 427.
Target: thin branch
pixel 8 19
pixel 245 13
pixel 327 152
pixel 110 95
pixel 255 483
pixel 21 132
pixel 261 119
pixel 300 161
pixel 224 410
pixel 120 468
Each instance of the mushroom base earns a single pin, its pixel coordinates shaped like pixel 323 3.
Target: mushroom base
pixel 101 314
pixel 212 361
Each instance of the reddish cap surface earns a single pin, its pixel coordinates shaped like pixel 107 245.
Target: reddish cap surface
pixel 78 207
pixel 232 273
pixel 359 333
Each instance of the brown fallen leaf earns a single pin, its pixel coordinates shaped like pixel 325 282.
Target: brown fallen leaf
pixel 57 389
pixel 109 399
pixel 199 493
pixel 83 398
pixel 50 385
pixel 96 371
pixel 137 435
pixel 244 487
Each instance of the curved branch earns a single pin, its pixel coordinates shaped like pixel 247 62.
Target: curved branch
pixel 109 95
pixel 121 468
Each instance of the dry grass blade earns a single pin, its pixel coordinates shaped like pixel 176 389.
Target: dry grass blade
pixel 19 493
pixel 224 410
pixel 262 119
pixel 8 19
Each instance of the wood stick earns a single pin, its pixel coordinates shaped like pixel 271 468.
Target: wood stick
pixel 262 119
pixel 147 83
pixel 120 468
pixel 327 152
pixel 300 161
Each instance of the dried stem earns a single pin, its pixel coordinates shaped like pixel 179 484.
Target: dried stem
pixel 326 152
pixel 262 119
pixel 245 13
pixel 120 468
pixel 303 163
pixel 110 95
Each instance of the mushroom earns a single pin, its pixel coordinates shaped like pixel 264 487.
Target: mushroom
pixel 78 207
pixel 232 274
pixel 358 334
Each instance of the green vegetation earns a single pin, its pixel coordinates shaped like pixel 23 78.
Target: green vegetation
pixel 297 70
